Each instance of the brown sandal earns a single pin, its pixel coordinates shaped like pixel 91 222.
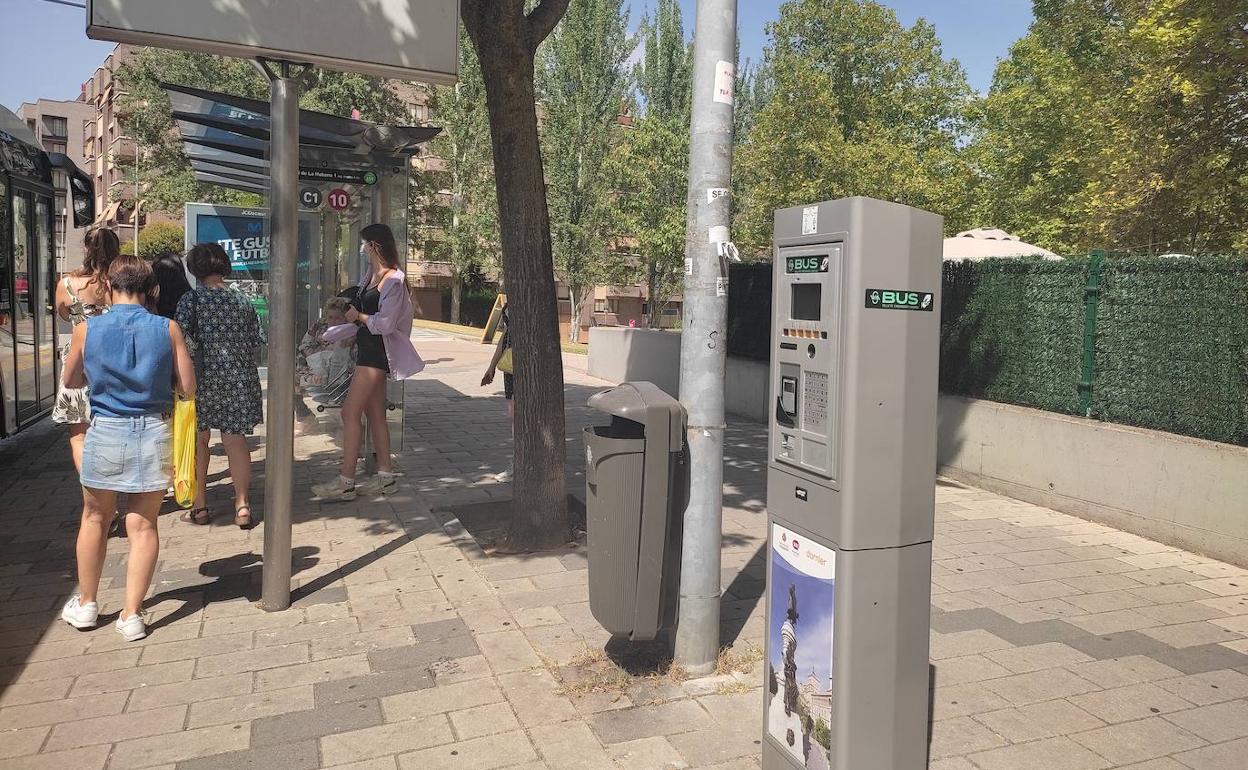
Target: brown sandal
pixel 199 516
pixel 242 520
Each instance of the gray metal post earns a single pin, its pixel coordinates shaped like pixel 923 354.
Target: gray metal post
pixel 703 341
pixel 280 421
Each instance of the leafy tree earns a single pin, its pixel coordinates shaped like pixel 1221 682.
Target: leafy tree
pixel 506 35
pixel 855 103
pixel 582 82
pixel 1120 124
pixel 458 199
pixel 159 238
pixel 651 164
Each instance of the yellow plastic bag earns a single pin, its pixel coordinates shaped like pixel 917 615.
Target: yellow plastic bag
pixel 185 437
pixel 505 363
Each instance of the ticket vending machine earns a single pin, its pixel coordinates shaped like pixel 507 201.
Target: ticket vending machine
pixel 850 485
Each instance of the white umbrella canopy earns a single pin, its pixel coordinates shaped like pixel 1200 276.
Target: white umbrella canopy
pixel 983 242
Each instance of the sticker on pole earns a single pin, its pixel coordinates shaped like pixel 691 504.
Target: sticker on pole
pixel 715 193
pixel 799 647
pixel 899 299
pixel 338 199
pixel 724 81
pixel 810 220
pixel 721 286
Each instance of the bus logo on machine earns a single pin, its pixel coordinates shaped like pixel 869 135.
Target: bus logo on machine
pixel 899 299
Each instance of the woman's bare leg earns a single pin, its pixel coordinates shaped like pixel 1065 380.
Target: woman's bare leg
pixel 239 455
pixel 77 437
pixel 98 506
pixel 376 411
pixel 144 547
pixel 353 407
pixel 201 468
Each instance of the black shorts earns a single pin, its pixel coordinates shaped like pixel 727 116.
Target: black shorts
pixel 509 386
pixel 371 351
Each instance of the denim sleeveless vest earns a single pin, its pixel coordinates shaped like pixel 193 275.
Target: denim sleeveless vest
pixel 129 363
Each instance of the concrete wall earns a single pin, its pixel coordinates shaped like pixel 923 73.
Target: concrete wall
pixel 619 354
pixel 1177 490
pixel 1174 489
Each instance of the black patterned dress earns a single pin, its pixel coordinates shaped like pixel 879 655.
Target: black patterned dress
pixel 224 333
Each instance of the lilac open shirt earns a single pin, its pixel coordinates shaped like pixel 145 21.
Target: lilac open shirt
pixel 393 323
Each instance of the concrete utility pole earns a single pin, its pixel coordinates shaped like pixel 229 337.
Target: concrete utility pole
pixel 279 452
pixel 703 338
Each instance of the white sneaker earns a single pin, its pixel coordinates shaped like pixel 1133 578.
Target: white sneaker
pixel 336 489
pixel 132 629
pixel 79 615
pixel 504 476
pixel 381 484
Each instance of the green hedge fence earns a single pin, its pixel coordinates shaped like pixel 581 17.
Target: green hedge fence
pixel 1157 343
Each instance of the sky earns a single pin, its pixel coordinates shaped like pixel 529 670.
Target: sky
pixel 44 52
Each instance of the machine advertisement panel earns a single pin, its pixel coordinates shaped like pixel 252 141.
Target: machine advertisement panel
pixel 799 690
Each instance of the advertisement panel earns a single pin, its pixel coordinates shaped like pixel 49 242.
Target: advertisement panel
pixel 800 631
pixel 386 38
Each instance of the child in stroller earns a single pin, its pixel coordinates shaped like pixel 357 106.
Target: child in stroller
pixel 324 368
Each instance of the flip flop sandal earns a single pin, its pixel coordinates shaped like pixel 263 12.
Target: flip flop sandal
pixel 242 520
pixel 200 516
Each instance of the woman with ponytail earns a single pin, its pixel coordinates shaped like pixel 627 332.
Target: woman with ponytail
pixel 80 295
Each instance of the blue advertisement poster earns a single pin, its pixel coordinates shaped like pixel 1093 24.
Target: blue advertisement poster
pixel 246 243
pixel 799 643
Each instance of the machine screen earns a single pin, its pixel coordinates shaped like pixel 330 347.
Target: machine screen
pixel 807 298
pixel 806 265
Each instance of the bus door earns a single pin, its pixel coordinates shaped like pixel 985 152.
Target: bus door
pixel 30 329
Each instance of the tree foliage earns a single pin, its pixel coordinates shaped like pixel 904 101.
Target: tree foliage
pixel 852 103
pixel 650 167
pixel 455 199
pixel 582 82
pixel 1121 124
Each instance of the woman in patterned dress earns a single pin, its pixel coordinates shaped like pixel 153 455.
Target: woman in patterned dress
pixel 80 295
pixel 225 334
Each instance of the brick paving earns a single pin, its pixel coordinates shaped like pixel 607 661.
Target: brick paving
pixel 1056 643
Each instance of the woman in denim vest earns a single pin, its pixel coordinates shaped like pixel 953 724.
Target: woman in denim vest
pixel 130 358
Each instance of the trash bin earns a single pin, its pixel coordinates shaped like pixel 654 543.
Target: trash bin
pixel 636 488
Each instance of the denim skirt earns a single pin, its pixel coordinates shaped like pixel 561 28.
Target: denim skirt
pixel 128 454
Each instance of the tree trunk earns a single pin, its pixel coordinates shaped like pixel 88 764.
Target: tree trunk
pixel 503 38
pixel 457 298
pixel 577 297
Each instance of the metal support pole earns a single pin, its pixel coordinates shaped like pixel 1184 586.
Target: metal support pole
pixel 703 341
pixel 279 453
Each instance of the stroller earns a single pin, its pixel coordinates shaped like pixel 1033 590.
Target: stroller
pixel 328 376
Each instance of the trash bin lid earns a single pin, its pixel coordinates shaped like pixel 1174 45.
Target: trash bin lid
pixel 646 403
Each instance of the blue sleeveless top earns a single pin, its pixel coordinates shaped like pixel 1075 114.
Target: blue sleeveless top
pixel 129 362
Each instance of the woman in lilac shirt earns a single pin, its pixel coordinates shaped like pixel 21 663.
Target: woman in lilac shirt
pixel 382 311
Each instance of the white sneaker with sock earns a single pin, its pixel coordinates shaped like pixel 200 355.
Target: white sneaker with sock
pixel 79 615
pixel 336 489
pixel 132 628
pixel 380 484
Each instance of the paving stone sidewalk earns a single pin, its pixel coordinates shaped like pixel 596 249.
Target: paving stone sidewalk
pixel 1057 644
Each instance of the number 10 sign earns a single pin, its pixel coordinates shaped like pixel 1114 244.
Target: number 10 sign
pixel 338 199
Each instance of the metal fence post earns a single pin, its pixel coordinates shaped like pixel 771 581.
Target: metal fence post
pixel 1091 304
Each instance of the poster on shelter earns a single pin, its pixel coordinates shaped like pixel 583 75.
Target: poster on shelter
pixel 799 643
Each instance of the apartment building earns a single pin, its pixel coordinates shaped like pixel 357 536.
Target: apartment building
pixel 110 155
pixel 63 127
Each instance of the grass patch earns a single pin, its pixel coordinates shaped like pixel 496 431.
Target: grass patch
pixel 734 661
pixel 594 671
